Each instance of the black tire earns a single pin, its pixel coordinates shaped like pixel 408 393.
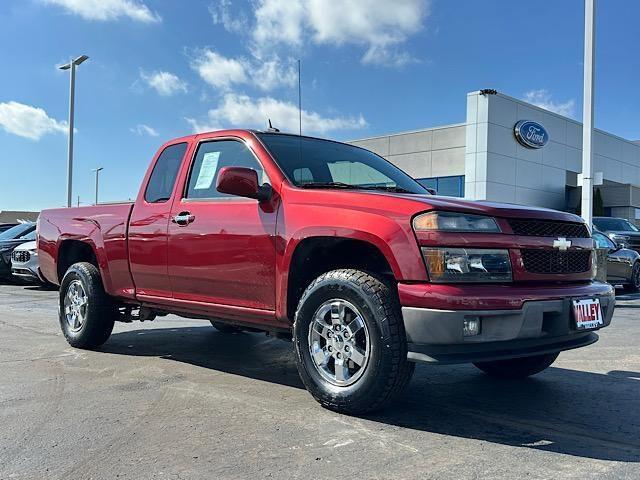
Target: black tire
pixel 518 367
pixel 100 311
pixel 387 371
pixel 225 327
pixel 634 282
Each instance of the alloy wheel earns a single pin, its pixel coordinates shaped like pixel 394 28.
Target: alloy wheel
pixel 75 305
pixel 339 342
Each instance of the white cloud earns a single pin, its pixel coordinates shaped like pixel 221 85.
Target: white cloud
pixel 280 21
pixel 29 122
pixel 542 98
pixel 224 72
pixel 108 9
pixel 243 111
pixel 165 83
pixel 270 74
pixel 221 15
pixel 219 71
pixel 142 129
pixel 378 25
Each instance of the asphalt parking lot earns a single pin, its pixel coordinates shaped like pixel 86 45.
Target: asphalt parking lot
pixel 176 399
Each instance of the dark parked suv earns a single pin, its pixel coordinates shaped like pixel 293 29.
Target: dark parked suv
pixel 624 233
pixel 9 240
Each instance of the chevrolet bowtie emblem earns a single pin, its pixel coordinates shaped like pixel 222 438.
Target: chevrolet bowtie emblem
pixel 562 244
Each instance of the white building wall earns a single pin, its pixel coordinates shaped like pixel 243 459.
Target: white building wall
pixel 498 168
pixel 432 152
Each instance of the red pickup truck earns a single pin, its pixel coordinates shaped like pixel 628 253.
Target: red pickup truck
pixel 334 247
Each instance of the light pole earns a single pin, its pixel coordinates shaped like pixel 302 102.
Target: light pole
pixel 587 113
pixel 97 170
pixel 72 87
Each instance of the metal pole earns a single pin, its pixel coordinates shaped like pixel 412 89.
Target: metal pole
pixel 587 112
pixel 97 170
pixel 72 87
pixel 299 99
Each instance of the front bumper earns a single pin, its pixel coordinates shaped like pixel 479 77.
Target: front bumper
pixel 28 270
pixel 538 327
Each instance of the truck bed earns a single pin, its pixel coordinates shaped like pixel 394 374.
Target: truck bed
pixel 103 227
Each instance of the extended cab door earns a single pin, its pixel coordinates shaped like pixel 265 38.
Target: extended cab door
pixel 222 247
pixel 149 222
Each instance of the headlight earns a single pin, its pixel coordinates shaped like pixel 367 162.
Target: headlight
pixel 621 240
pixel 467 265
pixel 454 222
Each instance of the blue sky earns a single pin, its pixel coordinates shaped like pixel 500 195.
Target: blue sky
pixel 161 69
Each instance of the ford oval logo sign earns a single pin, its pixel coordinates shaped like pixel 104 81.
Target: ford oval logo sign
pixel 531 134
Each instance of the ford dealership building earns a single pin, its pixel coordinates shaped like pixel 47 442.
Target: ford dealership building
pixel 511 151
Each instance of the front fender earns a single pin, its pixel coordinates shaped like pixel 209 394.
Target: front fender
pixel 395 241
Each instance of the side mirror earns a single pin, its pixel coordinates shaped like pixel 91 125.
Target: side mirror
pixel 432 191
pixel 242 182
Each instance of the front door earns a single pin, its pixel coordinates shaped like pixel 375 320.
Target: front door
pixel 221 247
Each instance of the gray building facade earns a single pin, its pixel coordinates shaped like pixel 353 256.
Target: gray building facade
pixel 482 159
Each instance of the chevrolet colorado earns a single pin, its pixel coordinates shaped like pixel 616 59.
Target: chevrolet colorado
pixel 334 247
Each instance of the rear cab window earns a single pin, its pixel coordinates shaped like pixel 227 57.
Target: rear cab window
pixel 165 173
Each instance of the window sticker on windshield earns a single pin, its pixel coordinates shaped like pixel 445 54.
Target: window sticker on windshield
pixel 207 170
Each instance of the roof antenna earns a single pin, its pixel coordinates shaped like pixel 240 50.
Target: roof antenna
pixel 272 128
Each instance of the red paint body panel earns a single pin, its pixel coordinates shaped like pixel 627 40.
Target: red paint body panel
pixel 104 228
pixel 226 255
pixel 232 259
pixel 492 297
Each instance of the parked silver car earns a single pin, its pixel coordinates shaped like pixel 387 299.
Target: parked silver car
pixel 623 264
pixel 24 262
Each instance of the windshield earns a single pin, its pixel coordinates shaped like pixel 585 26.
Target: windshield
pixel 315 163
pixel 615 224
pixel 18 231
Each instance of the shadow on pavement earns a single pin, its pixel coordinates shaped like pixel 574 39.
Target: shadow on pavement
pixel 572 412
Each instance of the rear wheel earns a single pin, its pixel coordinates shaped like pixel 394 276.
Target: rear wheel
pixel 225 327
pixel 86 313
pixel 634 282
pixel 517 367
pixel 350 344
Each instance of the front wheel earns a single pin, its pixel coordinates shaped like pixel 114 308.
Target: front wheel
pixel 634 282
pixel 350 343
pixel 87 314
pixel 517 367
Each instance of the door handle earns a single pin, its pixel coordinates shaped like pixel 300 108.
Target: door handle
pixel 183 218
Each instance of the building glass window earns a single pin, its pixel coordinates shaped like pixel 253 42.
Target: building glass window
pixel 447 186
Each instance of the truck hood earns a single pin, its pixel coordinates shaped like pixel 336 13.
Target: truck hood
pixel 494 209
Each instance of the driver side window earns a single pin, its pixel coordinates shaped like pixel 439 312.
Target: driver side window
pixel 210 158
